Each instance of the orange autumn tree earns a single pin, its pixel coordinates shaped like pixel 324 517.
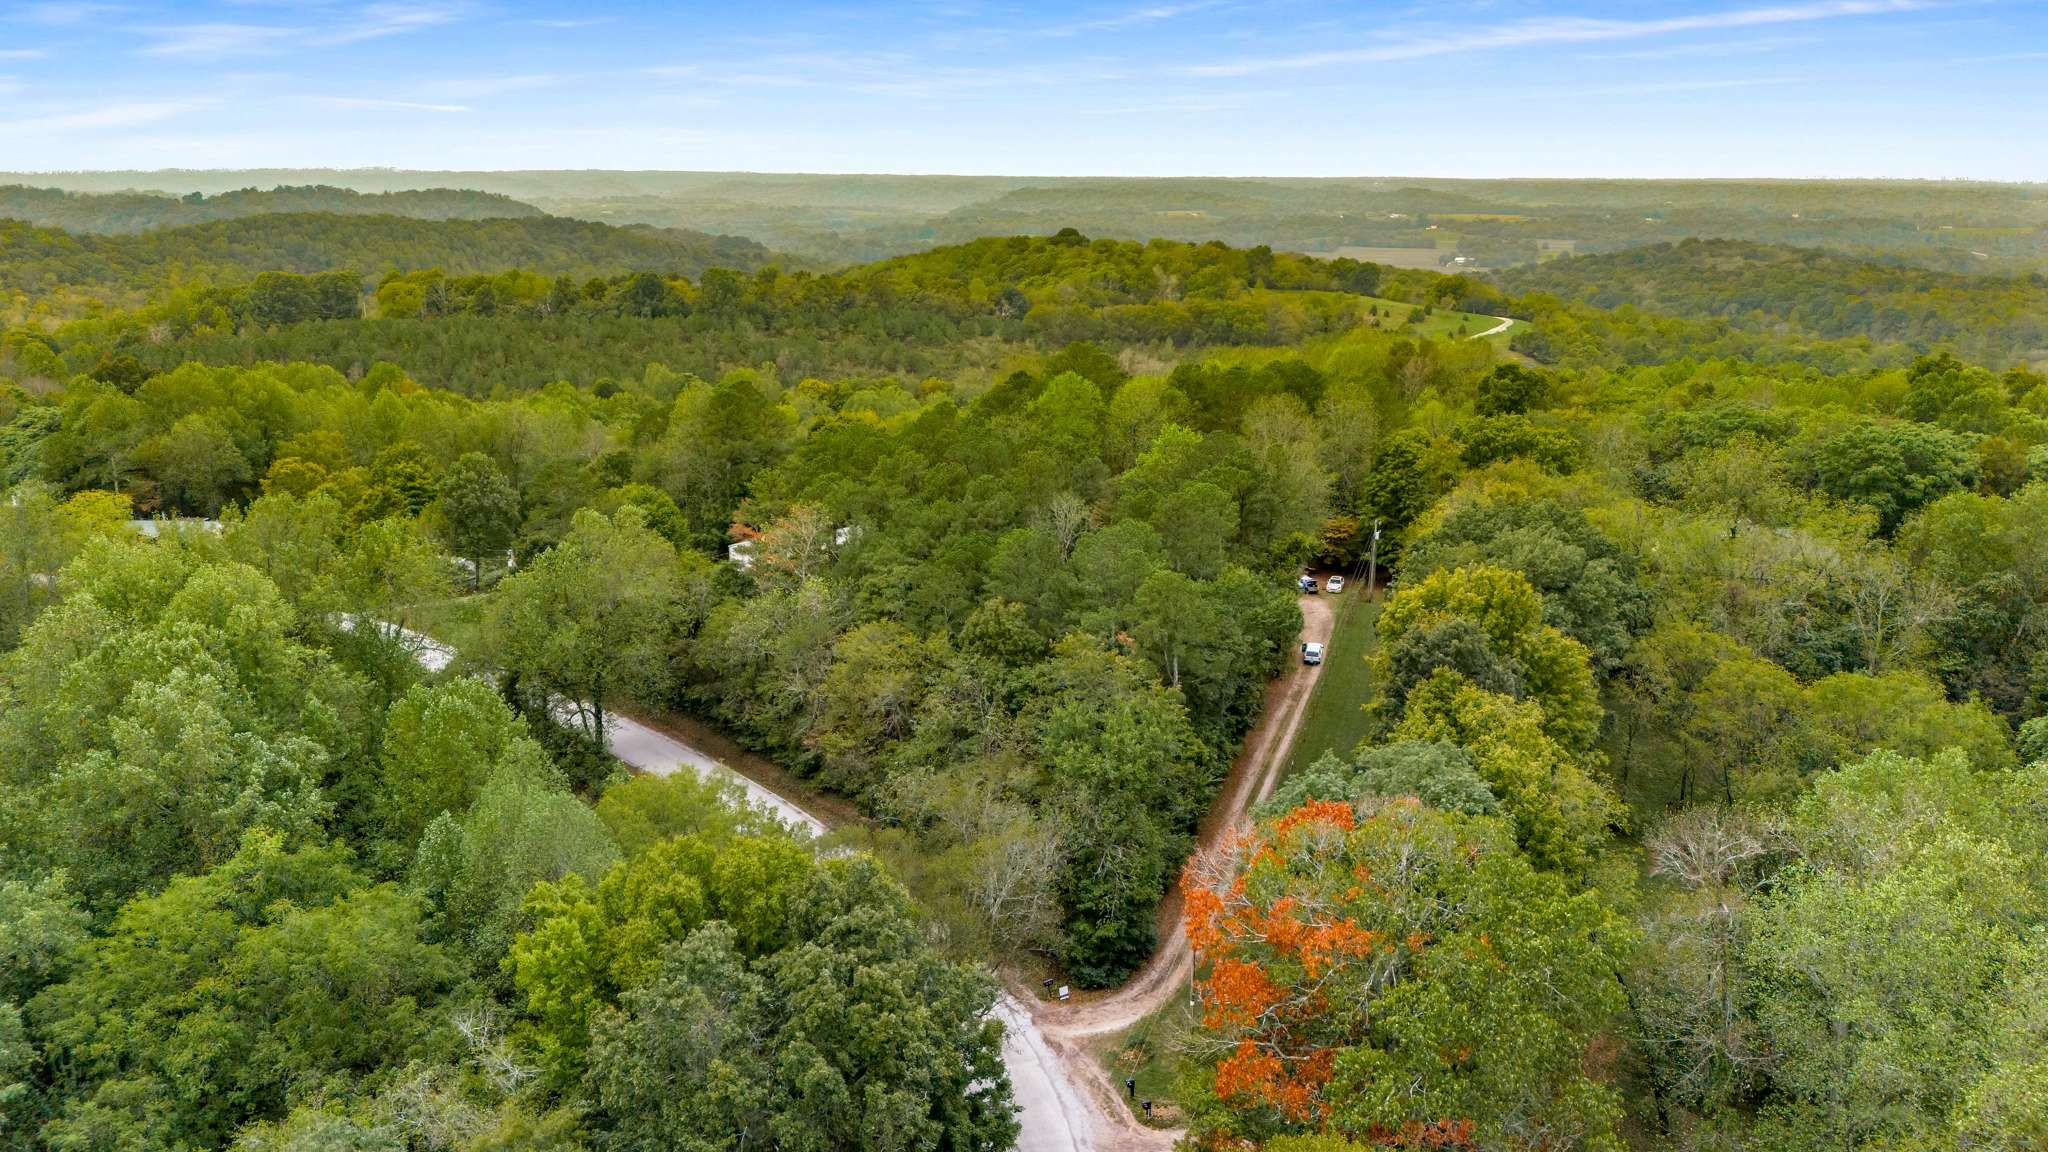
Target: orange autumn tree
pixel 1400 977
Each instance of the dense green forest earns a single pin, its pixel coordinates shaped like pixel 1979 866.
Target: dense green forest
pixel 1703 807
pixel 520 329
pixel 50 273
pixel 138 211
pixel 1990 319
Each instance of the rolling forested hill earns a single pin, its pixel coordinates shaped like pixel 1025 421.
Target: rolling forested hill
pixel 1995 319
pixel 1961 226
pixel 51 272
pixel 134 211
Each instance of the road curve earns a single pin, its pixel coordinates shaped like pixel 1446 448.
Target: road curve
pixel 1054 1113
pixel 1506 322
pixel 1066 1100
pixel 1071 1027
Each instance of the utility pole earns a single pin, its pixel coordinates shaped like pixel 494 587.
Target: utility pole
pixel 1372 563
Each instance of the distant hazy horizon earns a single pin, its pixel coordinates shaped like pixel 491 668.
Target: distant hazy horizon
pixel 1685 89
pixel 100 179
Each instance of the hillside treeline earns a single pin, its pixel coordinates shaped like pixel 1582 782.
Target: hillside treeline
pixel 1754 288
pixel 136 211
pixel 49 273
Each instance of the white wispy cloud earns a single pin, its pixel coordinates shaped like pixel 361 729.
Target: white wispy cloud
pixel 1135 18
pixel 565 24
pixel 23 53
pixel 1715 50
pixel 216 41
pixel 380 20
pixel 1673 87
pixel 376 105
pixel 1558 30
pixel 979 34
pixel 120 114
pixel 56 15
pixel 1996 58
pixel 478 87
pixel 220 40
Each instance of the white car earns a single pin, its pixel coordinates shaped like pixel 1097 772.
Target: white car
pixel 1333 585
pixel 1311 653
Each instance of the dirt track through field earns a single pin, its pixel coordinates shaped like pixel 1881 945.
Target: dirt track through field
pixel 1070 1027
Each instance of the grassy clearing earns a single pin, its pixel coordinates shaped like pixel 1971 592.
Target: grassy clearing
pixel 1336 713
pixel 1438 325
pixel 1152 1053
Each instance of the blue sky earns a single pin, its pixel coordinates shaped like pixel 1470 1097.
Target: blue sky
pixel 1925 88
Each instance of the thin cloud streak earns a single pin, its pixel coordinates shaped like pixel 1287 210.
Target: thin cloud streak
pixel 1672 87
pixel 375 105
pixel 381 20
pixel 213 41
pixel 1560 30
pixel 219 40
pixel 477 87
pixel 60 15
pixel 1714 51
pixel 125 114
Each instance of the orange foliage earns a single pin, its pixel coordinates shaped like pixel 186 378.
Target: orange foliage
pixel 1251 1075
pixel 1437 1134
pixel 1334 943
pixel 1247 1072
pixel 1335 813
pixel 1239 993
pixel 1199 911
pixel 1272 947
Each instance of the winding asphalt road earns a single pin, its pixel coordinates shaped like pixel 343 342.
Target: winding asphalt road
pixel 1054 1113
pixel 1066 1100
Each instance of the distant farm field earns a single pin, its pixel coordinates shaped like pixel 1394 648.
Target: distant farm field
pixel 1426 258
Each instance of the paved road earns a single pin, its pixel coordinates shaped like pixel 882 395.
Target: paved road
pixel 1506 322
pixel 659 754
pixel 1053 1112
pixel 1066 1102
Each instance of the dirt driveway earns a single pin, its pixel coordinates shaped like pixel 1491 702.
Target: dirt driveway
pixel 1068 1028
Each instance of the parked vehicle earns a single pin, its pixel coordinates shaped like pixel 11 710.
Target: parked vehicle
pixel 1311 653
pixel 1308 585
pixel 1333 585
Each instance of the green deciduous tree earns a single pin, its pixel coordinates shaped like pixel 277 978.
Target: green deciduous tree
pixel 1894 468
pixel 1522 652
pixel 1402 974
pixel 479 509
pixel 236 993
pixel 1589 585
pixel 591 619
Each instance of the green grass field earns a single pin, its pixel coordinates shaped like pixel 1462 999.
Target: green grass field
pixel 1336 713
pixel 1438 325
pixel 1152 1053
